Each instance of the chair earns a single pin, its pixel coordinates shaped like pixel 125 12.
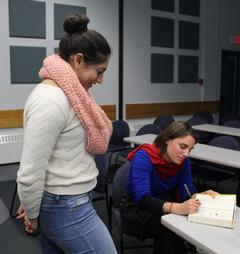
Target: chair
pixel 120 131
pixel 232 123
pixel 118 190
pixel 229 117
pixel 101 191
pixel 212 172
pixel 14 195
pixel 149 129
pixel 202 136
pixel 146 129
pixel 163 121
pixel 204 114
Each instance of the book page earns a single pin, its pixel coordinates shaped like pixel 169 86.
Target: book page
pixel 220 201
pixel 217 211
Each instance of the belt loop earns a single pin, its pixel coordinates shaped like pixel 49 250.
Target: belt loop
pixel 57 197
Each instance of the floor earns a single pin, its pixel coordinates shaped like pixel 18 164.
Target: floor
pixel 13 238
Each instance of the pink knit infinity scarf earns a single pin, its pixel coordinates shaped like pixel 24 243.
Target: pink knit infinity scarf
pixel 93 119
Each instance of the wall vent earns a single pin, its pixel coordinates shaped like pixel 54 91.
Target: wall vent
pixel 11 142
pixel 13 138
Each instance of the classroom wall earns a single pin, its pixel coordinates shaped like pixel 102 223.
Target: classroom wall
pixel 13 96
pixel 219 19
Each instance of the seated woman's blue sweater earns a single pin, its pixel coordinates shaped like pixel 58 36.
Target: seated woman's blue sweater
pixel 143 183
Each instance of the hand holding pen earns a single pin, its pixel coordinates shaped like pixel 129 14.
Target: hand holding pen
pixel 187 190
pixel 191 205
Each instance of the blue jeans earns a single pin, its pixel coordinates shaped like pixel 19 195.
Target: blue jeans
pixel 69 224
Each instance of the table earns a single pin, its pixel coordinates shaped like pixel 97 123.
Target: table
pixel 210 239
pixel 218 129
pixel 141 139
pixel 203 152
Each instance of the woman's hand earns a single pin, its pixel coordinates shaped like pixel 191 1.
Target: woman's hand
pixel 20 212
pixel 211 193
pixel 187 207
pixel 31 226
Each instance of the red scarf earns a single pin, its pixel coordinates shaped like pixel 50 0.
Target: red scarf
pixel 164 168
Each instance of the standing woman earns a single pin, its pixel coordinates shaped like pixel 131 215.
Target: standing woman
pixel 64 128
pixel 160 182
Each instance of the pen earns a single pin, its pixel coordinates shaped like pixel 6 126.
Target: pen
pixel 187 190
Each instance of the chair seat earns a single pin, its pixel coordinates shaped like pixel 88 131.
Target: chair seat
pixel 96 196
pixel 210 172
pixel 117 217
pixel 115 148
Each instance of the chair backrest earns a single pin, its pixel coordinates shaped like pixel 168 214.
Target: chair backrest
pixel 149 129
pixel 120 130
pixel 229 117
pixel 196 120
pixel 225 142
pixel 118 184
pixel 204 114
pixel 163 121
pixel 102 163
pixel 232 123
pixel 202 136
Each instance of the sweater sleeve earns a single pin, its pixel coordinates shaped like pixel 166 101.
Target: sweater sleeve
pixel 44 119
pixel 151 205
pixel 141 184
pixel 186 178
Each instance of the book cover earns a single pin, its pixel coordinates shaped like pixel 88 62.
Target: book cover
pixel 218 211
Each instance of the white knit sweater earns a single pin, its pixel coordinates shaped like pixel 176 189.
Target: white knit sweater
pixel 54 157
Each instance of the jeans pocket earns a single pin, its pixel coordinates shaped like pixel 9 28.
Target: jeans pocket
pixel 78 201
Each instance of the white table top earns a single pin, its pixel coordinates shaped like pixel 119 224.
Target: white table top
pixel 218 129
pixel 208 153
pixel 141 139
pixel 210 239
pixel 217 155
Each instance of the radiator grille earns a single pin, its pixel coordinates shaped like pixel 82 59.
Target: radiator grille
pixel 13 138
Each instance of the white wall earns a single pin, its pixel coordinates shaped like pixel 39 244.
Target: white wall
pixel 137 53
pixel 219 20
pixel 103 18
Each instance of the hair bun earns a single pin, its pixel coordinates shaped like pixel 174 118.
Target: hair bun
pixel 75 24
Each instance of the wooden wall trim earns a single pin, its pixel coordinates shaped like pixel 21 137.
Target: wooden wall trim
pixel 14 118
pixel 148 110
pixel 11 118
pixel 110 110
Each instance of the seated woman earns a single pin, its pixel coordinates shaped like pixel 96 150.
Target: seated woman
pixel 160 182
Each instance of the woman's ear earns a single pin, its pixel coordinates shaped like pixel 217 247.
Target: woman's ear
pixel 78 60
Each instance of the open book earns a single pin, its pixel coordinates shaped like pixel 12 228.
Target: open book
pixel 219 211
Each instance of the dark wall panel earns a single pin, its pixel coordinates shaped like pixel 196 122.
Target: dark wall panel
pixel 161 68
pixel 188 35
pixel 25 63
pixel 188 69
pixel 162 32
pixel 189 7
pixel 60 11
pixel 27 19
pixel 163 5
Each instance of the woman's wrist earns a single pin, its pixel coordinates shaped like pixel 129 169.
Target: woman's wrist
pixel 176 208
pixel 167 207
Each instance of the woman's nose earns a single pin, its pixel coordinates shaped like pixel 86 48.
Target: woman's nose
pixel 186 152
pixel 100 79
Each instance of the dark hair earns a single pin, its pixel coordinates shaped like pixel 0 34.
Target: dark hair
pixel 175 130
pixel 79 39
